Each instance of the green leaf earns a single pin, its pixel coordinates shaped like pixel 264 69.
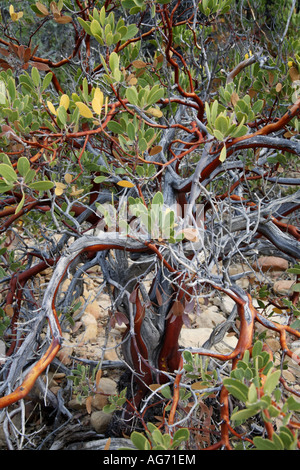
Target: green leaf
pixel 287 437
pixel 132 95
pixel 62 115
pixel 221 124
pixel 166 392
pixel 46 81
pixel 293 405
pixel 115 127
pixel 154 95
pixel 238 389
pixel 296 287
pixel 181 435
pixel 243 415
pixel 41 185
pixel 140 441
pixel 100 179
pixel 218 135
pixel 252 394
pixel 258 106
pixel 264 444
pixel 8 173
pixel 23 166
pixel 96 28
pixel 29 176
pixel 257 348
pixel 114 61
pixel 21 204
pixel 132 30
pixel 35 76
pixel 158 198
pixel 85 25
pixel 214 112
pixel 271 382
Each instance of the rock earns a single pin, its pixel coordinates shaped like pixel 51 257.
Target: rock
pixel 227 345
pixel 194 338
pixel 283 286
pixel 106 387
pixel 210 317
pixel 91 328
pixel 271 263
pixel 100 421
pixel 225 303
pixel 94 309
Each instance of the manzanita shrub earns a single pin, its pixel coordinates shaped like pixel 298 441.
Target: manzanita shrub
pixel 152 145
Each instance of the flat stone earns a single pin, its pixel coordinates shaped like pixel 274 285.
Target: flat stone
pixel 225 304
pixel 283 286
pixel 194 338
pixel 100 421
pixel 210 317
pixel 106 387
pixel 271 263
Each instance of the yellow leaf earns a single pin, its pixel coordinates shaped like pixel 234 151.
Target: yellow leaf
pixel 125 184
pixel 222 156
pixel 155 112
pixel 107 445
pixel 59 188
pixel 154 387
pixel 42 8
pixel 106 105
pixel 198 385
pixel 290 63
pixel 84 110
pixel 9 310
pixel 68 178
pixel 64 101
pixel 190 234
pixel 76 192
pixel 97 102
pixel 139 64
pixel 14 15
pixel 51 107
pixel 294 74
pixel 155 150
pixel 63 19
pixel 88 404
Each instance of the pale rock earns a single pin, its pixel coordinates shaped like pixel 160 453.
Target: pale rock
pixel 106 388
pixel 283 286
pixel 65 285
pixel 267 311
pixel 271 263
pixel 91 328
pixel 287 375
pixel 227 345
pixel 273 344
pixel 210 317
pixel 226 304
pixel 65 355
pixel 100 421
pixel 111 355
pixel 74 404
pixel 94 309
pixel 194 338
